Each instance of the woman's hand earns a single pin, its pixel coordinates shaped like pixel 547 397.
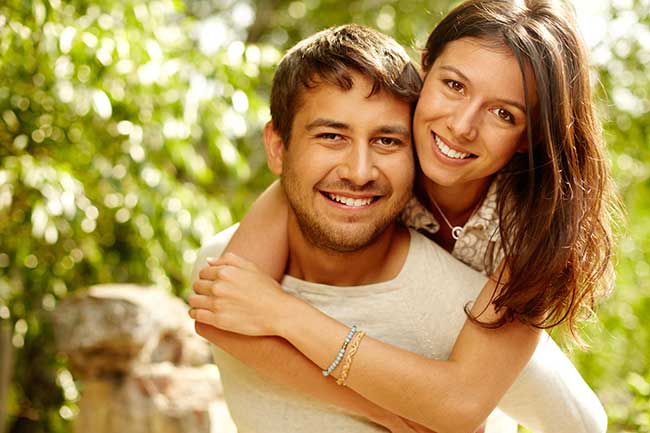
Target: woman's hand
pixel 234 295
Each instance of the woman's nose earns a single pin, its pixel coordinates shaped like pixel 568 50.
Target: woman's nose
pixel 463 123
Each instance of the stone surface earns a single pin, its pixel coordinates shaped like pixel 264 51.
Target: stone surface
pixel 107 329
pixel 141 366
pixel 160 398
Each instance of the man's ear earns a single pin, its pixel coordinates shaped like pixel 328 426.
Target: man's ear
pixel 274 146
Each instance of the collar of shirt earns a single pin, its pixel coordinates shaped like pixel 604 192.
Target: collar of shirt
pixel 485 219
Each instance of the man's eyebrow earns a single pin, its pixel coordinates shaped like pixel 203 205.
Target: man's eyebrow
pixel 335 124
pixel 330 123
pixel 464 78
pixel 393 130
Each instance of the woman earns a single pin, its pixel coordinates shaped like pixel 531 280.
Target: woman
pixel 522 190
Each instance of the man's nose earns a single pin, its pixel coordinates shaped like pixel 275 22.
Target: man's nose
pixel 359 166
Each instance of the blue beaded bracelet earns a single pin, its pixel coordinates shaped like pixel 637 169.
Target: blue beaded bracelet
pixel 339 356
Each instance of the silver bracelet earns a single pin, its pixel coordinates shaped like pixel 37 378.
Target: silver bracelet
pixel 339 357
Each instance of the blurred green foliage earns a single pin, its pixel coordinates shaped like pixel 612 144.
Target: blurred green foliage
pixel 130 131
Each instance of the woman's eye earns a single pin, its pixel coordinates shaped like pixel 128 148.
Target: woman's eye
pixel 504 114
pixel 454 85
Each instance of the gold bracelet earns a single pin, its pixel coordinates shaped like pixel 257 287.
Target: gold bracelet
pixel 349 356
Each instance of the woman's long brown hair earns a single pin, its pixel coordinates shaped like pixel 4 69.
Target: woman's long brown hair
pixel 556 202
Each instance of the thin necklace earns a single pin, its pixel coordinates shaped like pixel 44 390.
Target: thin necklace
pixel 456 231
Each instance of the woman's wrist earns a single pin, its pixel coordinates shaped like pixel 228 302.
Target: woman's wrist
pixel 289 316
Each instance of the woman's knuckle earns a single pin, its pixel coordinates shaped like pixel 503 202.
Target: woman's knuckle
pixel 225 272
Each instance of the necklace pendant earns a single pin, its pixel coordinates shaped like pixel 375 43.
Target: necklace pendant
pixel 456 232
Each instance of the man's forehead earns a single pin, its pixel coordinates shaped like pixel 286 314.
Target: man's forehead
pixel 327 104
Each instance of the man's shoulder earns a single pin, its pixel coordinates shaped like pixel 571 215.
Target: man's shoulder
pixel 213 248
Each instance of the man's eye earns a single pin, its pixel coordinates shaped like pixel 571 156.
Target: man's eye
pixel 454 85
pixel 329 136
pixel 388 142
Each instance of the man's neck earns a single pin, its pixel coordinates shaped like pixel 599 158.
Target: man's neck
pixel 381 260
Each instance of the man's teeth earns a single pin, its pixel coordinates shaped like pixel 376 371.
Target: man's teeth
pixel 353 202
pixel 447 151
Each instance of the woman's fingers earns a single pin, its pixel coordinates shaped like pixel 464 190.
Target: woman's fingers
pixel 203 302
pixel 232 259
pixel 225 271
pixel 202 287
pixel 210 272
pixel 231 294
pixel 205 316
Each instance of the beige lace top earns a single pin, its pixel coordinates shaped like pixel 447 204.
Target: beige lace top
pixel 479 239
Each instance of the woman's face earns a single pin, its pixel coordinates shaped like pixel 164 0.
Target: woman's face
pixel 470 118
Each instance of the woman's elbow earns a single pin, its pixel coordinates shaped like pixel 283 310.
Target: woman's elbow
pixel 466 416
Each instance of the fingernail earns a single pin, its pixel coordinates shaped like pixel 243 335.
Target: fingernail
pixel 191 312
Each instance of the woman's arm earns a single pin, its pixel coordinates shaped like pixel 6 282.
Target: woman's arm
pixel 446 396
pixel 483 370
pixel 455 395
pixel 262 234
pixel 278 360
pixel 549 397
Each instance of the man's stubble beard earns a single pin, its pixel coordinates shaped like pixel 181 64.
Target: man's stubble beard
pixel 323 235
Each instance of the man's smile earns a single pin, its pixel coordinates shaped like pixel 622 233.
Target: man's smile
pixel 350 200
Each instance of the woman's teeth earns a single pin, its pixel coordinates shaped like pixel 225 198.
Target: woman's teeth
pixel 353 202
pixel 447 151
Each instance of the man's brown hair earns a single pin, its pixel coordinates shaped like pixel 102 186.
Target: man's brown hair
pixel 330 56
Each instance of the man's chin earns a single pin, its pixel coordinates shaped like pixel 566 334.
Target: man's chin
pixel 346 239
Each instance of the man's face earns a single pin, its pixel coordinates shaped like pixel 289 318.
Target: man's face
pixel 348 168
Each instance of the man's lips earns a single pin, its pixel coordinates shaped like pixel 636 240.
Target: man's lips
pixel 353 201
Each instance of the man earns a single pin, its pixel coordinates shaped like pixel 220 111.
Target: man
pixel 340 139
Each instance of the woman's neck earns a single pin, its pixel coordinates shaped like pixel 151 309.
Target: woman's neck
pixel 457 202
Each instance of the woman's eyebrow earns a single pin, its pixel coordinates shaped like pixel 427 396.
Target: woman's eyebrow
pixel 455 71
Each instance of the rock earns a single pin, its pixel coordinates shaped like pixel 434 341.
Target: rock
pixel 160 398
pixel 142 367
pixel 107 329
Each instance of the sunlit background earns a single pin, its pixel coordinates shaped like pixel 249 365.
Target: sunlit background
pixel 130 131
